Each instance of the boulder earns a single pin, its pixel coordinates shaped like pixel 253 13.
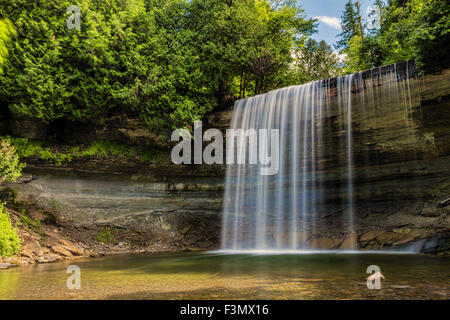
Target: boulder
pixel 350 243
pixel 58 249
pixel 49 258
pixel 324 243
pixel 431 212
pixel 421 233
pixel 76 251
pixel 390 238
pixel 31 247
pixel 370 235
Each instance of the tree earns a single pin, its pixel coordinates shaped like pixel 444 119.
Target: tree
pixel 351 25
pixel 419 30
pixel 54 72
pixel 356 43
pixel 10 242
pixel 168 61
pixel 7 31
pixel 10 166
pixel 243 45
pixel 131 57
pixel 161 77
pixel 314 61
pixel 376 17
pixel 408 29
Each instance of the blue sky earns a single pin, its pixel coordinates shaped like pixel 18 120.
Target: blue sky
pixel 328 12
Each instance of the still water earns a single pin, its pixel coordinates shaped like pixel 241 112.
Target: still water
pixel 233 276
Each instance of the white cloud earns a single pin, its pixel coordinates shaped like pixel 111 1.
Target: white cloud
pixel 330 21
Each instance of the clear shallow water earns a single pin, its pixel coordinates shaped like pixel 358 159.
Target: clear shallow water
pixel 234 276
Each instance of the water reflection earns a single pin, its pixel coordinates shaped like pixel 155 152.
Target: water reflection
pixel 233 276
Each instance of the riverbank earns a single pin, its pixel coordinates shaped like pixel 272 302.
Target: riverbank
pixel 48 243
pixel 57 226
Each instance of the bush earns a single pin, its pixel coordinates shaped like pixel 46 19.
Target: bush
pixel 106 236
pixel 10 167
pixel 10 241
pixel 97 149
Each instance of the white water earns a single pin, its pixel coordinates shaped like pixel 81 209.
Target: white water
pixel 281 212
pixel 310 252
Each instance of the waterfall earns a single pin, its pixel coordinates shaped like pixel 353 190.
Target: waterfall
pixel 316 132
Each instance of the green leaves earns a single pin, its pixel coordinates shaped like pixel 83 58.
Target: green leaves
pixel 47 66
pixel 314 61
pixel 25 149
pixel 10 242
pixel 168 61
pixel 7 31
pixel 245 45
pixel 10 167
pixel 410 29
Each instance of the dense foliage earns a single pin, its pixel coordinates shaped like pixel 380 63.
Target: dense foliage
pixel 6 32
pixel 10 242
pixel 171 61
pixel 64 154
pixel 128 56
pixel 403 30
pixel 10 166
pixel 313 61
pixel 245 46
pixel 167 61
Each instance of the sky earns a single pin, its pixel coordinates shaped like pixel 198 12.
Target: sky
pixel 328 13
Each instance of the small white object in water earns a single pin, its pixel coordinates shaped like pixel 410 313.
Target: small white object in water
pixel 375 276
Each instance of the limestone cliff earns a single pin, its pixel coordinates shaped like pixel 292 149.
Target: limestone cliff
pixel 401 176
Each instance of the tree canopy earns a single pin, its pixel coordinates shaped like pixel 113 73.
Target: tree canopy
pixel 406 29
pixel 6 32
pixel 128 56
pixel 167 61
pixel 171 61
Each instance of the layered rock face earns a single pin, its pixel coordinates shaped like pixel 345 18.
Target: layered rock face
pixel 399 170
pixel 401 178
pixel 152 214
pixel 401 163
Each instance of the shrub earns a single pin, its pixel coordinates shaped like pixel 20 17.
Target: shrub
pixel 106 237
pixel 97 149
pixel 10 241
pixel 30 223
pixel 10 167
